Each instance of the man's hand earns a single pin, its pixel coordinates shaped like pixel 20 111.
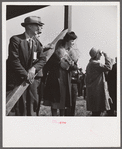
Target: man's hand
pixel 31 75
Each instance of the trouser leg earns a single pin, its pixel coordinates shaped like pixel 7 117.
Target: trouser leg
pixel 54 112
pixel 74 97
pixel 68 112
pixel 84 92
pixel 79 89
pixel 71 111
pixel 62 112
pixel 33 98
pixel 111 111
pixel 20 106
pixel 94 113
pixel 40 97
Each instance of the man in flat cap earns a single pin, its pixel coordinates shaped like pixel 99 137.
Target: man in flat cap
pixel 26 59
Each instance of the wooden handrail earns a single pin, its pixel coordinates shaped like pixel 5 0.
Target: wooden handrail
pixel 17 92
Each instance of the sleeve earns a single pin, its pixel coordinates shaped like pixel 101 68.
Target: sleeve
pixel 52 65
pixel 104 67
pixel 14 57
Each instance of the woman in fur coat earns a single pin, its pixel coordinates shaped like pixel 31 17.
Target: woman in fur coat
pixel 57 75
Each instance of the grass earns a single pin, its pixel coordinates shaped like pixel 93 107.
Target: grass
pixel 80 109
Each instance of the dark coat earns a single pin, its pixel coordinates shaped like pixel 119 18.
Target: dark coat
pixel 57 80
pixel 19 60
pixel 51 79
pixel 112 84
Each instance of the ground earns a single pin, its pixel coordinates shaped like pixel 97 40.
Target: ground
pixel 79 111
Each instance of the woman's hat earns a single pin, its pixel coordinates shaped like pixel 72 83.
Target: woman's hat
pixel 70 36
pixel 32 20
pixel 93 52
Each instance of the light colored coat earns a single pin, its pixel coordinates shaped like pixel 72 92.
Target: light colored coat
pixel 96 84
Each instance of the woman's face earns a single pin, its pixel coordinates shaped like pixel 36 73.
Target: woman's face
pixel 71 43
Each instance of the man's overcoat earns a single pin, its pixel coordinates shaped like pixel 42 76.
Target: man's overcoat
pixel 96 85
pixel 20 60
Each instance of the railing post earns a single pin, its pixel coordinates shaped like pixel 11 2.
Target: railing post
pixel 68 17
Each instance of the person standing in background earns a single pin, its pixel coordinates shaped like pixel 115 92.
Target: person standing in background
pixel 112 88
pixel 84 85
pixel 96 88
pixel 25 60
pixel 74 91
pixel 80 82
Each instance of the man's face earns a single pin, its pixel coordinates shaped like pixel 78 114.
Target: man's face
pixel 35 29
pixel 99 54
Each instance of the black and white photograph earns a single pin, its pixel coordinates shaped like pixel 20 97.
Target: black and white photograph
pixel 62 82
